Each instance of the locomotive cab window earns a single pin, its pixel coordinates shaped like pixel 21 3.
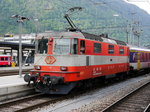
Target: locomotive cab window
pixel 62 46
pixel 97 48
pixel 121 50
pixel 82 47
pixel 42 46
pixel 111 49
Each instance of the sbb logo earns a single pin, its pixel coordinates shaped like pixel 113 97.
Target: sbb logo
pixel 50 59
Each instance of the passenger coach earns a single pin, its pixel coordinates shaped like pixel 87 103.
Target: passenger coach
pixel 5 60
pixel 139 58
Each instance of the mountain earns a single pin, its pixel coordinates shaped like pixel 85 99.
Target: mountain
pixel 114 17
pixel 133 15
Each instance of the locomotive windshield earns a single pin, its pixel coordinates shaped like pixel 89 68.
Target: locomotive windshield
pixel 42 46
pixel 62 46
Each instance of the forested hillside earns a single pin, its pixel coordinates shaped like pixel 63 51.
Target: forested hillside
pixel 97 16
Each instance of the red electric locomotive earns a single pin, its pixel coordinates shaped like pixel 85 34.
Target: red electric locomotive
pixel 65 58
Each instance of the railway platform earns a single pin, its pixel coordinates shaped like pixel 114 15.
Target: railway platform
pixel 13 86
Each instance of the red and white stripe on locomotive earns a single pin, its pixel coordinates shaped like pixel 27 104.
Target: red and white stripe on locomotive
pixel 65 58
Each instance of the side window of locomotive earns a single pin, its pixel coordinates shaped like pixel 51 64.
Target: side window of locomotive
pixel 111 49
pixel 121 50
pixel 97 47
pixel 82 47
pixel 75 46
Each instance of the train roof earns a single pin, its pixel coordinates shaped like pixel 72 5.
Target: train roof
pixel 4 55
pixel 83 35
pixel 61 34
pixel 103 38
pixel 135 48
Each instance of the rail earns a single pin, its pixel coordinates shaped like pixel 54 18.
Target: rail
pixel 147 108
pixel 15 71
pixel 121 100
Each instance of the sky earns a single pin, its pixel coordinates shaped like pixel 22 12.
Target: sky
pixel 143 4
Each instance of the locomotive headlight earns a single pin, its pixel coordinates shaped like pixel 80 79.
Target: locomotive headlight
pixel 37 67
pixel 63 68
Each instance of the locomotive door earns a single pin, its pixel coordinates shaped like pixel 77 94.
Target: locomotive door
pixel 82 47
pixel 82 51
pixel 138 61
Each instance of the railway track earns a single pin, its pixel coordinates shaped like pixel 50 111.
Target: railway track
pixel 136 101
pixel 36 101
pixel 32 102
pixel 9 73
pixel 12 73
pixel 27 103
pixel 147 108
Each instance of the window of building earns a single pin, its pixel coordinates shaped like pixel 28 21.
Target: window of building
pixel 111 49
pixel 97 47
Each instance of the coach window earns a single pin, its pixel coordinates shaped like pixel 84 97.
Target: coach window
pixel 121 50
pixel 111 49
pixel 2 59
pixel 6 59
pixel 82 47
pixel 97 47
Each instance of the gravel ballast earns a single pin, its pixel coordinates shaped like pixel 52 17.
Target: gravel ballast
pixel 97 99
